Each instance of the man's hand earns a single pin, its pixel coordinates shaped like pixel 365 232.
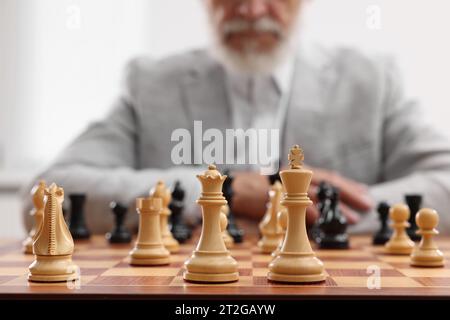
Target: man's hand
pixel 354 196
pixel 251 194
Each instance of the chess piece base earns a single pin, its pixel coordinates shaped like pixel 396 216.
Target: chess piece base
pixel 336 242
pixel 149 262
pixel 296 267
pixel 381 239
pixel 269 244
pixel 80 233
pixel 53 269
pixel 118 237
pixel 400 248
pixel 427 258
pixel 28 246
pixel 228 240
pixel 295 278
pixel 211 267
pixel 211 278
pixel 171 244
pixel 149 255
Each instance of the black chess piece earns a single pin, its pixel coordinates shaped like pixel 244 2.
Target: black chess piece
pixel 235 232
pixel 384 233
pixel 274 178
pixel 332 225
pixel 77 225
pixel 324 192
pixel 120 233
pixel 414 202
pixel 179 229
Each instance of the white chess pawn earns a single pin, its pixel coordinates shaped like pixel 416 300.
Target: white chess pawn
pixel 160 191
pixel 427 254
pixel 270 228
pixel 282 217
pixel 400 243
pixel 227 238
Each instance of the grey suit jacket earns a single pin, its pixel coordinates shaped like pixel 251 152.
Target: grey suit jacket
pixel 348 112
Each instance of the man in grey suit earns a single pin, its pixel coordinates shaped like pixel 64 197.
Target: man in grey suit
pixel 347 110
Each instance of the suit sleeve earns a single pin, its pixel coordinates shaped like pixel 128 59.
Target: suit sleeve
pixel 102 162
pixel 416 156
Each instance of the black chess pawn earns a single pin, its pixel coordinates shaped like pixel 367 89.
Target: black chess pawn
pixel 384 233
pixel 179 229
pixel 77 225
pixel 332 225
pixel 120 233
pixel 414 202
pixel 235 232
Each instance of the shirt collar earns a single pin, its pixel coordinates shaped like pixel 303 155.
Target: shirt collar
pixel 282 75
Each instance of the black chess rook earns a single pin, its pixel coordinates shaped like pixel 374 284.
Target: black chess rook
pixel 414 202
pixel 384 233
pixel 120 233
pixel 77 224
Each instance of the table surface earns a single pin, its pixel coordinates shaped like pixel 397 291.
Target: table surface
pixel 105 273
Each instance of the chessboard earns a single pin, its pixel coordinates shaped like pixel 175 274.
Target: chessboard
pixel 106 274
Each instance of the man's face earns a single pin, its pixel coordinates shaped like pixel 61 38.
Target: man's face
pixel 256 25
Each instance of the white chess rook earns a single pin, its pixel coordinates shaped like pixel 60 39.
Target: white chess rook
pixel 149 249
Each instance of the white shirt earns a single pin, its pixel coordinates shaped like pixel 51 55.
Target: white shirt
pixel 256 100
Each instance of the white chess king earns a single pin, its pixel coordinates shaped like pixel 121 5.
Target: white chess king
pixel 211 261
pixel 296 261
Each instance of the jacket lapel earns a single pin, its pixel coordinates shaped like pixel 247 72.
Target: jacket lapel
pixel 206 96
pixel 307 119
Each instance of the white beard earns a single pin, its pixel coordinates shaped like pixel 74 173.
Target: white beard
pixel 251 60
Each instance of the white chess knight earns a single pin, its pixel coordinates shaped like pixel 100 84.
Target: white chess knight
pixel 426 253
pixel 211 261
pixel 53 245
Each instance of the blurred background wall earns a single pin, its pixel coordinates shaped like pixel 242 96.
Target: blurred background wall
pixel 61 62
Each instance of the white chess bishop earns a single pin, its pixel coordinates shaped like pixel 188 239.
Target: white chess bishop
pixel 211 261
pixel 296 261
